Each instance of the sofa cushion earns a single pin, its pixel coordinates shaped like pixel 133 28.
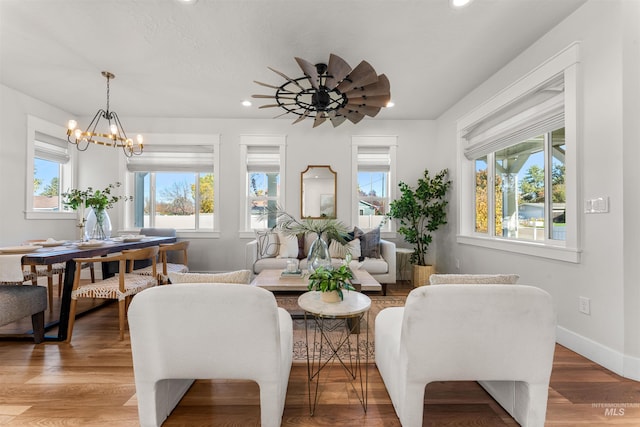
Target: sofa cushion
pixel 479 279
pixel 267 243
pixel 240 276
pixel 373 265
pixel 287 246
pixel 270 264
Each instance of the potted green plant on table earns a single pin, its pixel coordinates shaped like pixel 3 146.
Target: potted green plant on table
pixel 421 211
pixel 97 224
pixel 330 282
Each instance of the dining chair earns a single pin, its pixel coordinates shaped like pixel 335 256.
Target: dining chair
pixel 121 287
pixel 169 267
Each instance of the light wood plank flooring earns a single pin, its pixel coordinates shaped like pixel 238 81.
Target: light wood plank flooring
pixel 90 383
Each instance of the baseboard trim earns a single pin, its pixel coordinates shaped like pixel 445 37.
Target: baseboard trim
pixel 619 363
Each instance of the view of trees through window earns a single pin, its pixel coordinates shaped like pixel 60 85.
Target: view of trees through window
pixel 521 201
pixel 46 185
pixel 181 200
pixel 373 195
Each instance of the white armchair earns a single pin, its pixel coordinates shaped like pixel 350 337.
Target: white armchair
pixel 502 336
pixel 208 331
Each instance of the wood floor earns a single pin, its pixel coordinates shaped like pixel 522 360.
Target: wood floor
pixel 90 383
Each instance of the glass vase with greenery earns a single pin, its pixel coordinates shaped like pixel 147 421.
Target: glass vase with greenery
pixel 99 201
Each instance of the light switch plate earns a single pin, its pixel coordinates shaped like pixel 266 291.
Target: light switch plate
pixel 596 205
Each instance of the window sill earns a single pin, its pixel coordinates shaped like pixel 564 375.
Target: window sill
pixel 558 253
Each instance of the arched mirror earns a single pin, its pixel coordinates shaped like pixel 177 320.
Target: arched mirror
pixel 318 192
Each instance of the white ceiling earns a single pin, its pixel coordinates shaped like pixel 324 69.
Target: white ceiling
pixel 200 60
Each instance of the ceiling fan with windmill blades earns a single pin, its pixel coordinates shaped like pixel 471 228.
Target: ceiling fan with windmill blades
pixel 332 91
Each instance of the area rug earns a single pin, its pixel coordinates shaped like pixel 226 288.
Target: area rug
pixel 337 331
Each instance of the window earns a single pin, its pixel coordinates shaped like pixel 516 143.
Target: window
pixel 374 168
pixel 519 174
pixel 518 165
pixel 262 178
pixel 49 171
pixel 175 185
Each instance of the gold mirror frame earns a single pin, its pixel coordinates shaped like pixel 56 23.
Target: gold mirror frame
pixel 318 189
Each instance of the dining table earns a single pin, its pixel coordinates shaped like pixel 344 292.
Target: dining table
pixel 67 253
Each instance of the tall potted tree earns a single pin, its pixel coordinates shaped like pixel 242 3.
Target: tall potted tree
pixel 419 212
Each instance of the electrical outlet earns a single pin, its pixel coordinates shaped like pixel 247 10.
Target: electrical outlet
pixel 584 305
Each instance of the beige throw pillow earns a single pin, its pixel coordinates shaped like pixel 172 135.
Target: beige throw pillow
pixel 240 276
pixel 336 250
pixel 288 246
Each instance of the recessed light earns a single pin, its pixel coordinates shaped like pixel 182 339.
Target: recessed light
pixel 188 1
pixel 390 104
pixel 460 3
pixel 246 103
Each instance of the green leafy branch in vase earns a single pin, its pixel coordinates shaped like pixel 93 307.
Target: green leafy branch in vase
pixel 90 198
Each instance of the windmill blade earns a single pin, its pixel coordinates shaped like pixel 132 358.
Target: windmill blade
pixel 284 76
pixel 266 85
pixel 302 117
pixel 364 109
pixel 362 75
pixel 371 101
pixel 272 97
pixel 276 105
pixel 336 120
pixel 381 87
pixel 338 69
pixel 310 71
pixel 320 119
pixel 353 116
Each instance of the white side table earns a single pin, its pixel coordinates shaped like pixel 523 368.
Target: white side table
pixel 345 317
pixel 402 259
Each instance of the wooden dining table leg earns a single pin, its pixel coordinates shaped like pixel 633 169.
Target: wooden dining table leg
pixel 65 303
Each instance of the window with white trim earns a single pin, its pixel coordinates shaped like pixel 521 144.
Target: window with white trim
pixel 374 167
pixel 176 185
pixel 262 178
pixel 50 170
pixel 518 166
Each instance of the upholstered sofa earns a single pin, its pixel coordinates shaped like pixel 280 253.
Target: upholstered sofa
pixel 274 251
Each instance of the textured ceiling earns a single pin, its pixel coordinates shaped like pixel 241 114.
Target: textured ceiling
pixel 200 60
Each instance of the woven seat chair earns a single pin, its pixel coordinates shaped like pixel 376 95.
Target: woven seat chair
pixel 120 287
pixel 169 267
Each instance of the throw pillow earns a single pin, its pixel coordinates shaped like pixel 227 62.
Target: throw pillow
pixel 267 243
pixel 288 246
pixel 240 276
pixel 336 250
pixel 301 253
pixel 370 243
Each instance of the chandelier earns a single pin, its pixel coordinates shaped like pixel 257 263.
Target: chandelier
pixel 331 91
pixel 115 136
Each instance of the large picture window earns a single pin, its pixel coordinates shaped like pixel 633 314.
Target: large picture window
pixel 518 165
pixel 175 185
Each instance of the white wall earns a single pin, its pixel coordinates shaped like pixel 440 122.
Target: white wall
pixel 100 166
pixel 608 272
